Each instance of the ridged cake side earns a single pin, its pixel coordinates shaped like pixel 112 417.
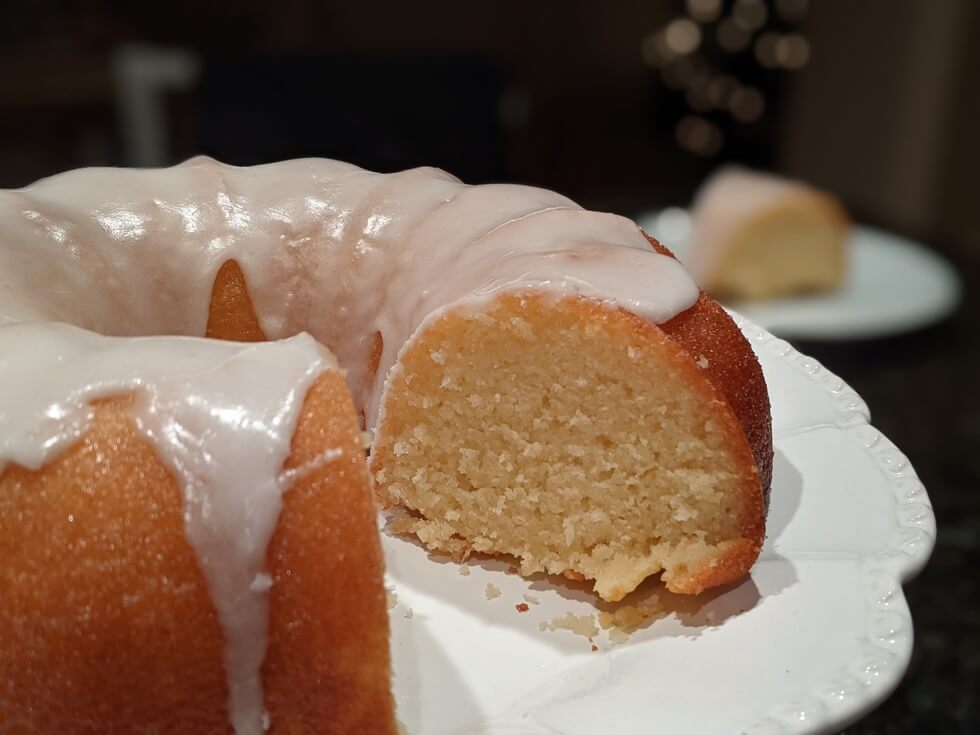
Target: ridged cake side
pixel 97 568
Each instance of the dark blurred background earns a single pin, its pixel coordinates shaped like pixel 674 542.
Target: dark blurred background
pixel 624 106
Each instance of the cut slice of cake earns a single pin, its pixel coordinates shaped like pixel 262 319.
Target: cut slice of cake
pixel 756 236
pixel 578 438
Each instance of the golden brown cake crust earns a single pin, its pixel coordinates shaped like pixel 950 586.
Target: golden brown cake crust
pixel 706 331
pixel 107 624
pixel 97 570
pixel 326 668
pixel 231 314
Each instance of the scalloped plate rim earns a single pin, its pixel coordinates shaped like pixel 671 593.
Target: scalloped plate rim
pixel 900 565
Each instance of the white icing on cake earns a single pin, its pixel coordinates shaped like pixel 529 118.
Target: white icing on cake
pixel 221 416
pixel 327 249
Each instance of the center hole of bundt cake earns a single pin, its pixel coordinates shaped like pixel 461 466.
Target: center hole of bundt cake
pixel 571 436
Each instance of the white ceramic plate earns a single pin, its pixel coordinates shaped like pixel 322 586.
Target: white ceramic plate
pixel 893 285
pixel 817 636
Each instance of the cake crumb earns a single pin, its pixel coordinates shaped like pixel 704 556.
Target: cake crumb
pixel 618 635
pixel 594 648
pixel 521 607
pixel 703 362
pixel 392 597
pixel 627 619
pixel 531 599
pixel 464 571
pixel 492 591
pixel 583 625
pixel 409 614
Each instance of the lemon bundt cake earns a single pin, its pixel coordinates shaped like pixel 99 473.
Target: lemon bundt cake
pixel 758 236
pixel 187 528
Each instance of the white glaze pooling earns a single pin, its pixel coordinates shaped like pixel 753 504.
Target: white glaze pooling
pixel 326 248
pixel 220 414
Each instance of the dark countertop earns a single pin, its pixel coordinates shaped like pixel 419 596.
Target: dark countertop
pixel 923 394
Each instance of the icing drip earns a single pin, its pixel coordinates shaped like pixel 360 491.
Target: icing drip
pixel 220 414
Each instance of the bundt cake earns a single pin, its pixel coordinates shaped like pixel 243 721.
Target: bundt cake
pixel 759 236
pixel 187 527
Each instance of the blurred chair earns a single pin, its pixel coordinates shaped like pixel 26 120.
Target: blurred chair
pixel 143 76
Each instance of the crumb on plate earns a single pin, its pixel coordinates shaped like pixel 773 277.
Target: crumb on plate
pixel 626 619
pixel 583 625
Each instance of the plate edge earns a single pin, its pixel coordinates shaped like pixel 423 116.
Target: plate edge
pixel 867 680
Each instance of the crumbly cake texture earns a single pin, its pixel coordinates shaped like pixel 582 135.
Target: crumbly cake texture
pixel 578 438
pixel 97 567
pixel 629 618
pixel 581 625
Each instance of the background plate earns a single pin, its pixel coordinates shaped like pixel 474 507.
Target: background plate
pixel 893 285
pixel 817 636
